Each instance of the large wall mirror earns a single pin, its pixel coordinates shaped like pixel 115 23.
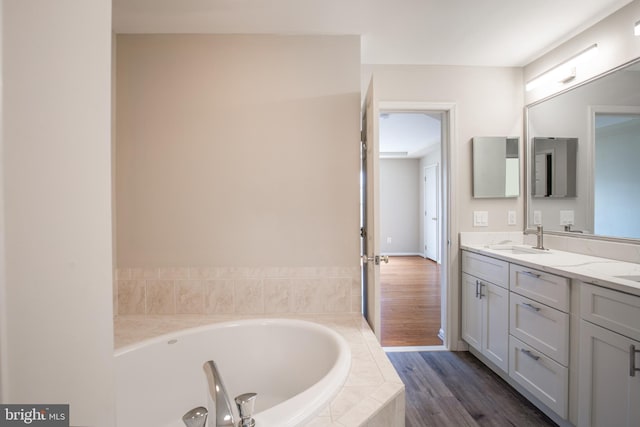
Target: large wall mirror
pixel 583 158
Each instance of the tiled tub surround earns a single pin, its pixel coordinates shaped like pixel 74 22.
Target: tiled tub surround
pixel 373 394
pixel 234 290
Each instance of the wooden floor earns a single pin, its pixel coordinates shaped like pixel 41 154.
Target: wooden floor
pixel 410 302
pixel 456 389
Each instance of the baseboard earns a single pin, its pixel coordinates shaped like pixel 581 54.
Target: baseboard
pixel 403 254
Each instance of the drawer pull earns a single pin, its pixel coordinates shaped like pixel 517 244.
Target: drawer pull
pixel 632 360
pixel 528 353
pixel 530 306
pixel 480 294
pixel 531 274
pixel 477 284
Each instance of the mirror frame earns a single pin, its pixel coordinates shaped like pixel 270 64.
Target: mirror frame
pixel 527 166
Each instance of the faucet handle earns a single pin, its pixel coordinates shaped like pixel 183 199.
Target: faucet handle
pixel 245 404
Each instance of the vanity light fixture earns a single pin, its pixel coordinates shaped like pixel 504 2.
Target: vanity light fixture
pixel 636 29
pixel 564 72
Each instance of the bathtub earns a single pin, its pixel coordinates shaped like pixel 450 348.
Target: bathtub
pixel 295 366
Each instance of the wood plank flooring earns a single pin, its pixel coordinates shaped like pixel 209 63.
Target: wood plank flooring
pixel 410 302
pixel 456 389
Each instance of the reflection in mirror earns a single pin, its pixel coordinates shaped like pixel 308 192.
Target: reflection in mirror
pixel 496 167
pixel 554 167
pixel 604 116
pixel 617 175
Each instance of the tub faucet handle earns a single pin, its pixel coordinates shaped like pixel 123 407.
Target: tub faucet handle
pixel 245 404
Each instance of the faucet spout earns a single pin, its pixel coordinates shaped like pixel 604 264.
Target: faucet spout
pixel 226 414
pixel 540 236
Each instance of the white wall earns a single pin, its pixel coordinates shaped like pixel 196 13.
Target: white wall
pixel 237 150
pixel 488 102
pixel 57 279
pixel 400 206
pixel 617 45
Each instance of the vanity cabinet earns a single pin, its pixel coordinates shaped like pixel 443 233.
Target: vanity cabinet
pixel 485 306
pixel 609 384
pixel 539 335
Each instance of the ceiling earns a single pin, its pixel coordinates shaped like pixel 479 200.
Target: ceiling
pixel 409 135
pixel 446 32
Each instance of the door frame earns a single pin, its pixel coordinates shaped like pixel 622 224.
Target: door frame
pixel 449 242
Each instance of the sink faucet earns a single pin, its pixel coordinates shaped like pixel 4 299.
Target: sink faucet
pixel 540 236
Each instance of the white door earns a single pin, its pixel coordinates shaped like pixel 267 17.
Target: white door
pixel 370 214
pixel 431 213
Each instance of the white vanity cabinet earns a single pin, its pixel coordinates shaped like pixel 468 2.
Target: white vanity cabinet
pixel 539 335
pixel 485 306
pixel 609 381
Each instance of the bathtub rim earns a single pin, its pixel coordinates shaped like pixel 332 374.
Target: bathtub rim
pixel 323 391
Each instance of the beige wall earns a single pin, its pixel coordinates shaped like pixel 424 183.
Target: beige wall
pixel 237 150
pixel 57 281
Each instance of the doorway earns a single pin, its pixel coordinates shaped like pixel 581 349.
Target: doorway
pixel 409 197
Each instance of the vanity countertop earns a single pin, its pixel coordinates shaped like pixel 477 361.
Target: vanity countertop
pixel 613 274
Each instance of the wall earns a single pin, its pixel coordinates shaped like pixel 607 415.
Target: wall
pixel 237 173
pixel 488 103
pixel 617 45
pixel 57 279
pixel 400 206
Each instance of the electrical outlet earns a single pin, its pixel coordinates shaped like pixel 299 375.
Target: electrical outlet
pixel 511 218
pixel 537 217
pixel 567 217
pixel 388 240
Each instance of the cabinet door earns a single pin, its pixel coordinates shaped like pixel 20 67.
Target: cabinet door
pixel 608 395
pixel 495 345
pixel 471 312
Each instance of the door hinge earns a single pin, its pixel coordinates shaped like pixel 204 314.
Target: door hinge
pixel 363 232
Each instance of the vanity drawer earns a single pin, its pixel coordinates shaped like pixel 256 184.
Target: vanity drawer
pixel 611 309
pixel 540 286
pixel 490 269
pixel 540 326
pixel 543 377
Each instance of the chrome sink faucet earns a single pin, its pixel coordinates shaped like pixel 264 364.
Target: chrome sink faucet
pixel 540 236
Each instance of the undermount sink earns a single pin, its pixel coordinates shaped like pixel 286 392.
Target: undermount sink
pixel 518 249
pixel 632 277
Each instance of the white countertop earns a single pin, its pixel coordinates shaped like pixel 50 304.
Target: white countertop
pixel 591 269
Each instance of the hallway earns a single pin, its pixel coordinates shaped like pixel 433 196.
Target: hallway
pixel 410 292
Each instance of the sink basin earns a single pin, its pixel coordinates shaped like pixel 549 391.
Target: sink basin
pixel 517 249
pixel 632 277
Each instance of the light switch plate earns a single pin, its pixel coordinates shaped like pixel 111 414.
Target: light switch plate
pixel 511 218
pixel 480 218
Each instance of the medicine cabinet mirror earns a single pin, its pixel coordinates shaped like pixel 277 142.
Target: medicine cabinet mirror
pixel 601 195
pixel 496 167
pixel 554 167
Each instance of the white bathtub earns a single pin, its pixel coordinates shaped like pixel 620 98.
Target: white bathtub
pixel 296 367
